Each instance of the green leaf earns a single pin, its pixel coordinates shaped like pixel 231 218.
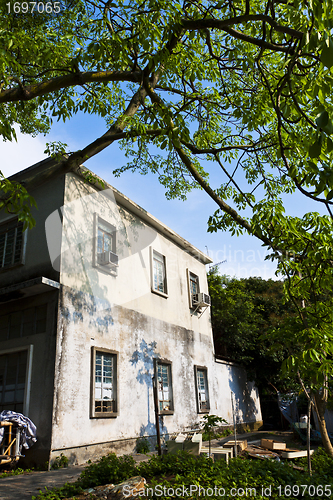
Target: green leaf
pixel 322 119
pixel 326 56
pixel 315 149
pixel 329 146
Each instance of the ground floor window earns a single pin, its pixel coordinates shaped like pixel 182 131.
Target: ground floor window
pixel 202 389
pixel 164 386
pixel 13 369
pixel 104 392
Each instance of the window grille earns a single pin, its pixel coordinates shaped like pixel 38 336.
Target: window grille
pixel 13 368
pixel 164 387
pixel 202 389
pixel 11 243
pixel 104 383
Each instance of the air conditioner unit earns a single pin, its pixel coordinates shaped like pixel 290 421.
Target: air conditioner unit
pixel 200 299
pixel 107 259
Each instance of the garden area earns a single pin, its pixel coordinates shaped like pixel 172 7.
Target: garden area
pixel 185 476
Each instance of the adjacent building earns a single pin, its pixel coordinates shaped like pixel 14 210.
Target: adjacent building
pixel 96 300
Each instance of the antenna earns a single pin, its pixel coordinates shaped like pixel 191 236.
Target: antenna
pixel 218 264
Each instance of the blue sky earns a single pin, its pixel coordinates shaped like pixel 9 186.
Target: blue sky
pixel 244 255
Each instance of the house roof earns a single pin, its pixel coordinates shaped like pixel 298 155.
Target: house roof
pixel 47 169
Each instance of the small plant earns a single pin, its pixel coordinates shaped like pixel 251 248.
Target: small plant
pixel 14 472
pixel 209 422
pixel 60 462
pixel 142 445
pixel 226 432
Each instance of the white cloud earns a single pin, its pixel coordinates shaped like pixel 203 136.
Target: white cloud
pixel 16 156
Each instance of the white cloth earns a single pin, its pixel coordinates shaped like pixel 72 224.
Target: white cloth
pixel 28 429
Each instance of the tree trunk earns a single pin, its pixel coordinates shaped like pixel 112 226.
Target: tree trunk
pixel 320 406
pixel 308 435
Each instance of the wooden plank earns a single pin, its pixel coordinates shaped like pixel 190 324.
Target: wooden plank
pixel 256 452
pixel 289 453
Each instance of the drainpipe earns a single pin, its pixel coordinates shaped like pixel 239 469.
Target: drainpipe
pixel 234 417
pixel 159 449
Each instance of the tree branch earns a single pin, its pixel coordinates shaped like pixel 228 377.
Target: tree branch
pixel 62 82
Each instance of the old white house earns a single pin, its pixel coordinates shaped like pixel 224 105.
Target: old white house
pixel 95 300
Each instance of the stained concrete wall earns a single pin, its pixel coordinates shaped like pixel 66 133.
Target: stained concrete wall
pixel 138 339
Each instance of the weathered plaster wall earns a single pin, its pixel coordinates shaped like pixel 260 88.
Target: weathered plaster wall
pixel 131 288
pixel 138 339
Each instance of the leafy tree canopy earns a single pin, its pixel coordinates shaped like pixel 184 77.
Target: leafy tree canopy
pixel 239 87
pixel 245 312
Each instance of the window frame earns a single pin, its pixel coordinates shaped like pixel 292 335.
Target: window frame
pixel 99 222
pixel 197 392
pixel 114 354
pixel 27 385
pixel 190 274
pixel 165 362
pixel 5 227
pixel 152 270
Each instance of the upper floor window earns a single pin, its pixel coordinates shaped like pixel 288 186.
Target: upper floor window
pixel 104 400
pixel 159 273
pixel 106 245
pixel 11 243
pixel 193 286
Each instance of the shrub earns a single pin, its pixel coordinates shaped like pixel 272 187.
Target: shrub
pixel 59 462
pixel 142 445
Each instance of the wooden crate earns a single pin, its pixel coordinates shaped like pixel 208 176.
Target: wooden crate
pixel 270 444
pixel 241 445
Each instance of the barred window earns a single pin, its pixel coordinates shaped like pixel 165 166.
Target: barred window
pixel 104 383
pixel 164 386
pixel 202 389
pixel 13 367
pixel 11 243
